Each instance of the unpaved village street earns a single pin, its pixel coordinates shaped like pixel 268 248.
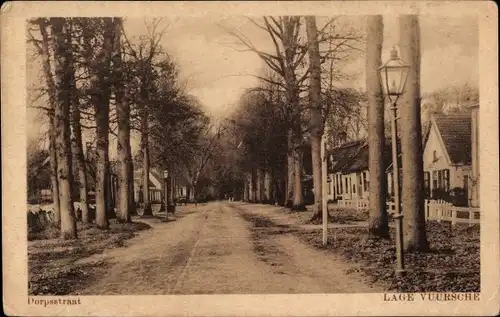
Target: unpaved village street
pixel 220 248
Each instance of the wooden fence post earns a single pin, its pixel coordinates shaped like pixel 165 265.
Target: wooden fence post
pixel 439 211
pixel 471 217
pixel 453 216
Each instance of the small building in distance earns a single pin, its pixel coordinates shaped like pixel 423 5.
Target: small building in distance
pixel 449 159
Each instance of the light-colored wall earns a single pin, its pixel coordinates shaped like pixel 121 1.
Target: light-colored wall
pixel 457 173
pixel 434 144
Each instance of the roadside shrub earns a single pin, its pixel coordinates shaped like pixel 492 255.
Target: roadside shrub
pixel 39 220
pixel 458 197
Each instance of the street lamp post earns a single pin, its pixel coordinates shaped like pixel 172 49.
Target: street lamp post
pixel 393 75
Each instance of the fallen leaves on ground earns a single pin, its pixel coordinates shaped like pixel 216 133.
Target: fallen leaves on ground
pixel 452 265
pixel 52 262
pixel 342 216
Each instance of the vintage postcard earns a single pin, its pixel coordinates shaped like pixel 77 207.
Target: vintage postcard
pixel 302 158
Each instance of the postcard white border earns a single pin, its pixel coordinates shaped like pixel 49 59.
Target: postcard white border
pixel 13 17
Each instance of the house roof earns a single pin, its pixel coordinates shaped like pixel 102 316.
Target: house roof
pixel 353 157
pixel 455 131
pixel 426 129
pixel 342 156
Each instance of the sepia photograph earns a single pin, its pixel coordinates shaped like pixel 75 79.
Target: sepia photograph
pixel 255 154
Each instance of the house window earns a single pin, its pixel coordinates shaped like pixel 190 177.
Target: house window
pixel 434 156
pixel 365 181
pixel 340 184
pixel 346 185
pixel 427 176
pixel 337 184
pixel 435 179
pixel 426 179
pixel 446 180
pixel 440 179
pixel 353 187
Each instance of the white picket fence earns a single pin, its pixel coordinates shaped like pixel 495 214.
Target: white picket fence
pixel 435 210
pixel 440 210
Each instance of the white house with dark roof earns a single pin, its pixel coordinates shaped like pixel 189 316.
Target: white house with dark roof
pixel 448 155
pixel 156 183
pixel 348 170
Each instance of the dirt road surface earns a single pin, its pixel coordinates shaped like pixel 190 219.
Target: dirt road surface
pixel 221 248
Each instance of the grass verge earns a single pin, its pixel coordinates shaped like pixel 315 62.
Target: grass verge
pixel 53 267
pixel 452 265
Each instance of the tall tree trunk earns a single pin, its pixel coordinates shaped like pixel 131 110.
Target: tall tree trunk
pixel 100 96
pixel 102 166
pixel 298 198
pixel 251 191
pixel 123 135
pixel 53 170
pixel 289 41
pixel 131 184
pixel 111 194
pixel 245 188
pixel 316 121
pixel 145 161
pixel 163 194
pixel 77 140
pixel 255 184
pixel 78 152
pixel 49 80
pixel 378 223
pixel 411 139
pixel 290 171
pixel 192 194
pixel 267 187
pixel 171 194
pixel 62 125
pixel 258 187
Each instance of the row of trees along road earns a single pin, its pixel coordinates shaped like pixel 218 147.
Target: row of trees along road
pixel 299 99
pixel 99 84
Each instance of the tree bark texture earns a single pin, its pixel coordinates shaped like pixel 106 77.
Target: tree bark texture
pixel 290 171
pixel 170 194
pixel 415 238
pixel 62 125
pixel 245 188
pixel 49 80
pixel 378 222
pixel 316 121
pixel 145 161
pixel 292 100
pixel 123 134
pixel 298 198
pixel 258 187
pixel 100 97
pixel 251 191
pixel 78 153
pixel 267 186
pixel 76 141
pixel 131 184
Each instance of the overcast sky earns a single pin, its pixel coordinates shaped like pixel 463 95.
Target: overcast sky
pixel 218 74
